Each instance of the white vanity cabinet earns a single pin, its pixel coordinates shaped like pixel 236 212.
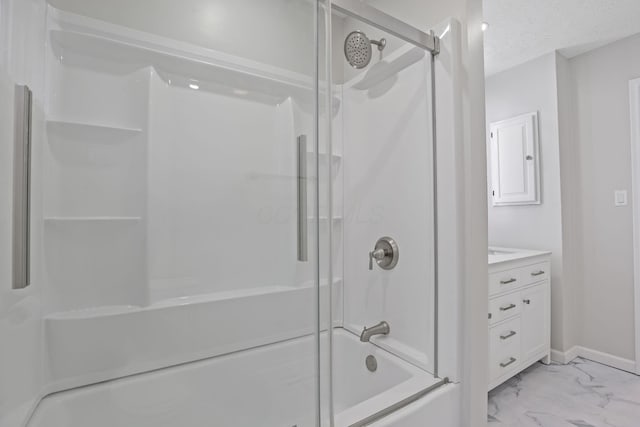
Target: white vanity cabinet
pixel 519 311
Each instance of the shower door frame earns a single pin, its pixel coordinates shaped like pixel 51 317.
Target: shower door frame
pixel 382 21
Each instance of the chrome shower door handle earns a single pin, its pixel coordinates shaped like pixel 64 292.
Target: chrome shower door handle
pixel 21 189
pixel 302 199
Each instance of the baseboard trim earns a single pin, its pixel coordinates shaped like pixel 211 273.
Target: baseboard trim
pixel 557 356
pixel 594 355
pixel 564 357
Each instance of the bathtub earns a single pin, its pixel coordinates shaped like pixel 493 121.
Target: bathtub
pixel 363 395
pixel 272 385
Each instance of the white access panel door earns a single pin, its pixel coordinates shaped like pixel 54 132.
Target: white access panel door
pixel 514 161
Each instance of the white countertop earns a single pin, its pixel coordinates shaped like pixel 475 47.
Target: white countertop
pixel 498 255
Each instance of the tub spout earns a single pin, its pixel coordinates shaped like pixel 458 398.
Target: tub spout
pixel 381 328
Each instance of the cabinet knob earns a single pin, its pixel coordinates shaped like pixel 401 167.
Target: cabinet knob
pixel 526 301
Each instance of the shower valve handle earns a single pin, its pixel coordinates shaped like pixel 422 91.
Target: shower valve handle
pixel 385 253
pixel 378 254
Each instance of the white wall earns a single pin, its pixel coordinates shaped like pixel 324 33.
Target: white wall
pixel 527 88
pixel 600 86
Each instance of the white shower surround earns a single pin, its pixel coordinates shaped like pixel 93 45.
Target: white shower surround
pixel 388 178
pixel 128 196
pixel 132 300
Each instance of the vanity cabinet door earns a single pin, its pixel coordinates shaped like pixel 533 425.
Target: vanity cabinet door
pixel 535 321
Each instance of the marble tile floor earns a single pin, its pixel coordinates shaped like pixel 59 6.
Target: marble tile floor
pixel 580 394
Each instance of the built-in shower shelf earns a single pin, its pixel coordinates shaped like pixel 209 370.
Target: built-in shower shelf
pixel 53 219
pixel 326 218
pixel 84 127
pixel 334 157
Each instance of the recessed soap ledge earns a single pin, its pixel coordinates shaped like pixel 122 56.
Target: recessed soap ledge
pixel 497 255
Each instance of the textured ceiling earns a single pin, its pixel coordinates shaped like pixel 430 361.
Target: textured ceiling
pixel 521 30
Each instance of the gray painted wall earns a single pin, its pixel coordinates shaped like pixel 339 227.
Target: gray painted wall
pixel 600 87
pixel 571 206
pixel 526 88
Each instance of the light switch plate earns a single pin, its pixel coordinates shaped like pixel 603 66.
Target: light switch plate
pixel 620 197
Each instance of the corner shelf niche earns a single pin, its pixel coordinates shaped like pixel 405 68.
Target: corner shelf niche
pixel 64 126
pixel 69 219
pixel 325 156
pixel 91 132
pixel 325 218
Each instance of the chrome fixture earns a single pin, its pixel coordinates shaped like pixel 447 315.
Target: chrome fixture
pixel 386 254
pixel 511 361
pixel 381 328
pixel 371 363
pixel 357 49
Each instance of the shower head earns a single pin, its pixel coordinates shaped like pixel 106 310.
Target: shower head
pixel 357 49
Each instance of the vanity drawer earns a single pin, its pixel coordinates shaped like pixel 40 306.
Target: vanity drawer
pixel 504 280
pixel 535 273
pixel 504 348
pixel 504 307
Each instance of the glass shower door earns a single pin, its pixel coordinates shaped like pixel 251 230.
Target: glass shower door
pixel 175 212
pixel 385 324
